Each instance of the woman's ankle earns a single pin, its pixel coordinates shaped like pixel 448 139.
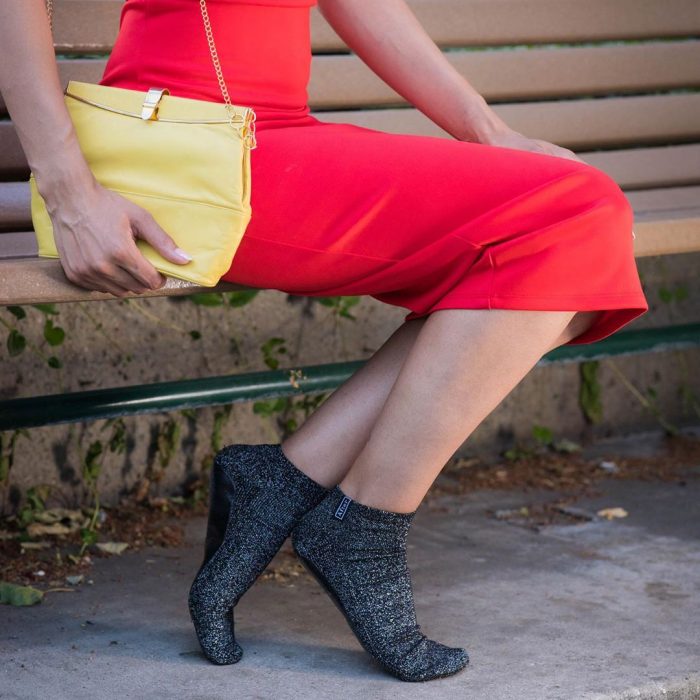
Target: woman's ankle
pixel 377 495
pixel 312 471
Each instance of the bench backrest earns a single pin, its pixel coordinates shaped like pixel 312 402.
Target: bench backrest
pixel 615 80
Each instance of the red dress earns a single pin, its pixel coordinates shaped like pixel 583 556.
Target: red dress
pixel 421 222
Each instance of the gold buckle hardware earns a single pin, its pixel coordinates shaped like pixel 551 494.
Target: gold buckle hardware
pixel 248 131
pixel 149 110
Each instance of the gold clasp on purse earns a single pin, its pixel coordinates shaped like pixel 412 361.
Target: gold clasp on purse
pixel 248 131
pixel 149 110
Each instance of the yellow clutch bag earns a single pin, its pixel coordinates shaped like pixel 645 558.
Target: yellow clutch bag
pixel 184 160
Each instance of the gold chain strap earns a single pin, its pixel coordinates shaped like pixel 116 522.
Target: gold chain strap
pixel 249 128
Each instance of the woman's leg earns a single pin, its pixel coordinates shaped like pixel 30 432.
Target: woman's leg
pixel 427 224
pixel 325 446
pixel 332 437
pixel 460 367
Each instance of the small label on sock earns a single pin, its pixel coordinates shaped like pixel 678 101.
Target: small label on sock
pixel 342 508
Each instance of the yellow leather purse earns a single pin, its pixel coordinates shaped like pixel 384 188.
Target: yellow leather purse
pixel 186 161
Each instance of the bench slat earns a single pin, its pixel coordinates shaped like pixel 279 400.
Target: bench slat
pixel 87 70
pixel 37 280
pixel 494 22
pixel 92 25
pixel 667 236
pixel 666 221
pixel 665 202
pixel 576 124
pixel 85 26
pixel 13 163
pixel 522 74
pixel 15 212
pixel 644 168
pixel 632 169
pixel 499 75
pixel 18 244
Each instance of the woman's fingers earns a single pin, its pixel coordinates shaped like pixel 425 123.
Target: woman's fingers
pixel 105 273
pixel 95 234
pixel 125 279
pixel 131 261
pixel 82 276
pixel 514 139
pixel 560 151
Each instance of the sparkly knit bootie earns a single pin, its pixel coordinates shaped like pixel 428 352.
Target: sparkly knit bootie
pixel 358 555
pixel 257 496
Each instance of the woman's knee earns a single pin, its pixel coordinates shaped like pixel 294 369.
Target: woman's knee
pixel 603 190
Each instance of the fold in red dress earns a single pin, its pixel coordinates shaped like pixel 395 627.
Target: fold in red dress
pixel 420 222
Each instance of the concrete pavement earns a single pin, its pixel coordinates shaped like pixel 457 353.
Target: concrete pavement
pixel 599 610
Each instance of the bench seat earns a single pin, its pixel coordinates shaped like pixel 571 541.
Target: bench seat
pixel 617 82
pixel 667 221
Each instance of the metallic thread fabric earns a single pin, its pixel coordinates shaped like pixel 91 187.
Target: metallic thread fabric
pixel 358 554
pixel 257 497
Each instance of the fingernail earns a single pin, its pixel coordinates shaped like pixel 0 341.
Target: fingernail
pixel 182 255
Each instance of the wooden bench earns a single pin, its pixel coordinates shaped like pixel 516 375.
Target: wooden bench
pixel 614 80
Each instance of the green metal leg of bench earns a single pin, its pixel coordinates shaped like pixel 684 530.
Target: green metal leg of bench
pixel 213 391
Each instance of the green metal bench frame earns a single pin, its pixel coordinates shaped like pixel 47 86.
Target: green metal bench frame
pixel 215 391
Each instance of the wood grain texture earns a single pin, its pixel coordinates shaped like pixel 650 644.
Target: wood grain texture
pixel 499 75
pixel 92 25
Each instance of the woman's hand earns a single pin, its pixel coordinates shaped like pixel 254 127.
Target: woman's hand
pixel 509 138
pixel 94 228
pixel 95 231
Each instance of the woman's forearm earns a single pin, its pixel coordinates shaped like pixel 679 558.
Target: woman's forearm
pixel 388 37
pixel 31 88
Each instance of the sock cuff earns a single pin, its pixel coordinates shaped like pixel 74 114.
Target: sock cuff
pixel 343 507
pixel 269 471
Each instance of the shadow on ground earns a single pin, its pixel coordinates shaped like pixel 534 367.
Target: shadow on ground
pixel 586 609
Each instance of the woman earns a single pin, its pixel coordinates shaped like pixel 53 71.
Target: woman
pixel 501 247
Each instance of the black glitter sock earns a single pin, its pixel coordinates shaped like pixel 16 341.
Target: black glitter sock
pixel 257 497
pixel 358 554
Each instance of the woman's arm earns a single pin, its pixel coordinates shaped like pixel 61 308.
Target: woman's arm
pixel 94 228
pixel 32 91
pixel 388 37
